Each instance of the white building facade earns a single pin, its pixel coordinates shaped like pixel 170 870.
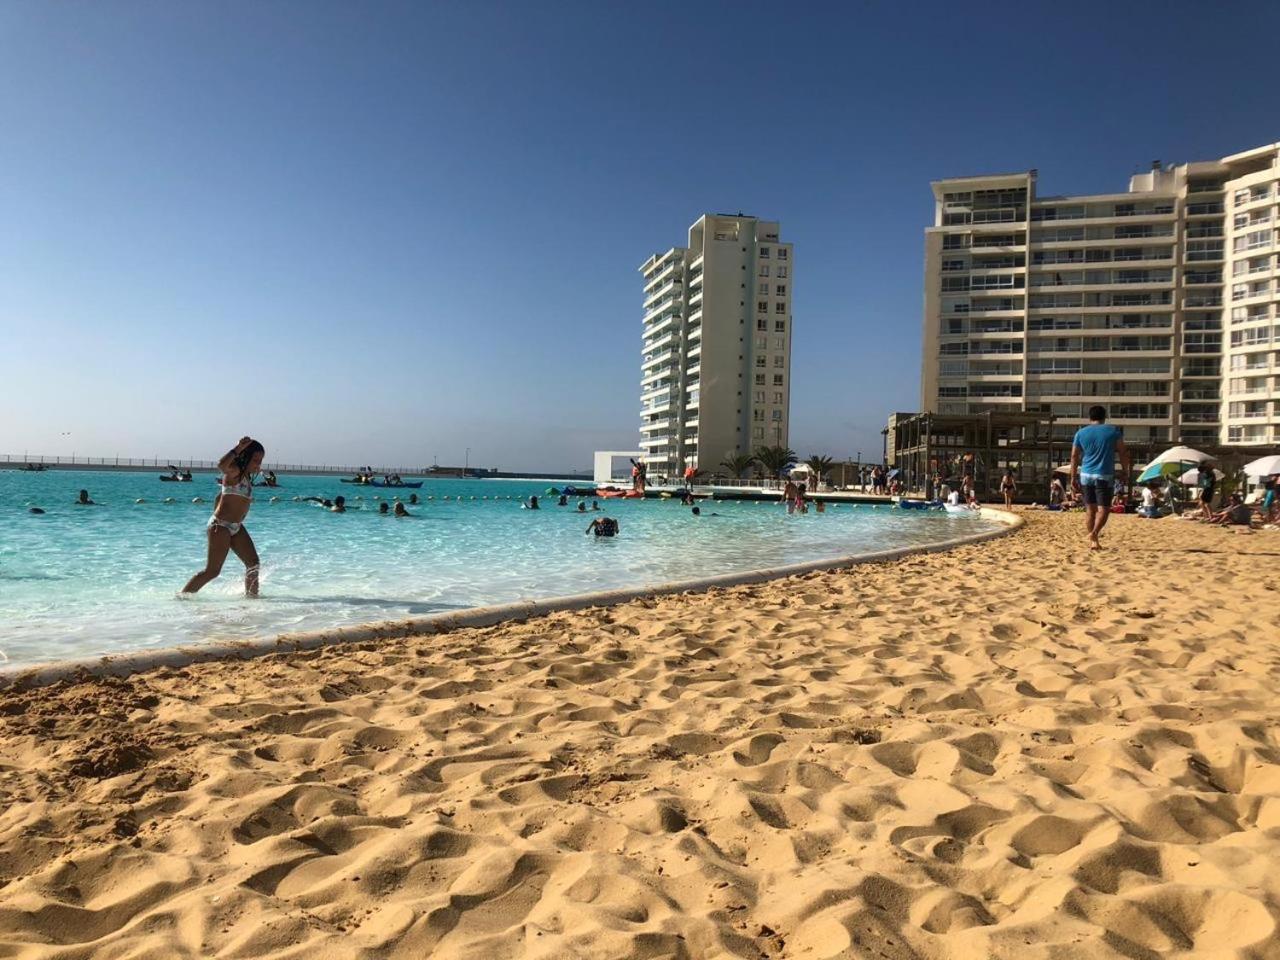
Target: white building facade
pixel 716 352
pixel 1162 304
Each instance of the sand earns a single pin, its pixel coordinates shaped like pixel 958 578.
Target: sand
pixel 1015 749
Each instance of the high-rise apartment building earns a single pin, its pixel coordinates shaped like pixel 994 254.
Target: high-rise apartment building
pixel 716 366
pixel 1163 303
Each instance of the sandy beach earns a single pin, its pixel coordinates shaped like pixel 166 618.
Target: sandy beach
pixel 1012 750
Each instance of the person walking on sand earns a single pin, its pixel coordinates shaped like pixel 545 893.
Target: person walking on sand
pixel 1093 469
pixel 1008 487
pixel 225 529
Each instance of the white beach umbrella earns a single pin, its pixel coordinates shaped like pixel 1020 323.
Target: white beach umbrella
pixel 1181 455
pixel 1192 476
pixel 1065 469
pixel 1263 467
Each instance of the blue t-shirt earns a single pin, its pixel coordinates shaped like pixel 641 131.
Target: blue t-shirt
pixel 1097 443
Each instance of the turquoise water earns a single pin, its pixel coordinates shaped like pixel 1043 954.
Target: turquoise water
pixel 81 581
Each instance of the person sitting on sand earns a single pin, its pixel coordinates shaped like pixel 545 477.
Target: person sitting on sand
pixel 1150 501
pixel 604 527
pixel 1236 513
pixel 84 500
pixel 401 511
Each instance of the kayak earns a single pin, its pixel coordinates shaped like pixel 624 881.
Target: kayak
pixel 579 491
pixel 167 479
pixel 619 494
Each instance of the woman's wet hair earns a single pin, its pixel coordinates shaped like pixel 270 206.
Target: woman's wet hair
pixel 245 456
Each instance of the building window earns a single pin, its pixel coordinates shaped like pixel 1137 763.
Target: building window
pixel 777 379
pixel 757 432
pixel 780 326
pixel 779 307
pixel 763 289
pixel 777 415
pixel 757 415
pixel 777 396
pixel 764 253
pixel 762 306
pixel 780 290
pixel 762 323
pixel 779 343
pixel 764 269
pixel 759 396
pixel 782 253
pixel 777 361
pixel 761 342
pixel 782 273
pixel 760 361
pixel 759 379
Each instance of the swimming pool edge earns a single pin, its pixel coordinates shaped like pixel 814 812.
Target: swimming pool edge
pixel 122 665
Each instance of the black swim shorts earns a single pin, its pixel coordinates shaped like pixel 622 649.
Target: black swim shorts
pixel 1098 493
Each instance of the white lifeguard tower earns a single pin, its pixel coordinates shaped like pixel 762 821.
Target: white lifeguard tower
pixel 614 466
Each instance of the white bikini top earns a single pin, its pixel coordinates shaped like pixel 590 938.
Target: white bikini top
pixel 244 488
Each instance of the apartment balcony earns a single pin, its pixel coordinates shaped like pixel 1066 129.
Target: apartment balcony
pixel 1199 418
pixel 669 288
pixel 694 332
pixel 694 370
pixel 655 442
pixel 695 299
pixel 694 351
pixel 654 425
pixel 697 262
pixel 662 276
pixel 651 346
pixel 1214 209
pixel 668 305
pixel 647 397
pixel 657 359
pixel 662 375
pixel 691 424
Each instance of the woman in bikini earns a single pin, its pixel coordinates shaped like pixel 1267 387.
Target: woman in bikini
pixel 226 526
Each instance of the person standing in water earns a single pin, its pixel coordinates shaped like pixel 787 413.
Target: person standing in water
pixel 225 529
pixel 1093 469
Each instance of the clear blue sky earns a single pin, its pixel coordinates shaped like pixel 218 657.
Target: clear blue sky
pixel 387 232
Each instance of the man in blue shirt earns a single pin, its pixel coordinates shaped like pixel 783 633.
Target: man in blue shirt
pixel 1093 469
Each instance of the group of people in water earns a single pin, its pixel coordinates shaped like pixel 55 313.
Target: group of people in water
pixel 365 475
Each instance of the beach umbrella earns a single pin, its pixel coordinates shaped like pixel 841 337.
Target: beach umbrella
pixel 892 473
pixel 1263 467
pixel 1065 469
pixel 1182 455
pixel 1158 471
pixel 1192 476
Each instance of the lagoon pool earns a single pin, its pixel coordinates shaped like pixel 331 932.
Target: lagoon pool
pixel 83 581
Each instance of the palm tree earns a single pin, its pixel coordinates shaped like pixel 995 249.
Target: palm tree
pixel 776 460
pixel 738 464
pixel 818 466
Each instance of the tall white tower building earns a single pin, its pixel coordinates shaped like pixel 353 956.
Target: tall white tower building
pixel 716 356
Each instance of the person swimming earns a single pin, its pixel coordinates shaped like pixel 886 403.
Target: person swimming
pixel 604 527
pixel 413 498
pixel 84 500
pixel 225 530
pixel 401 511
pixel 532 504
pixel 582 506
pixel 384 508
pixel 339 505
